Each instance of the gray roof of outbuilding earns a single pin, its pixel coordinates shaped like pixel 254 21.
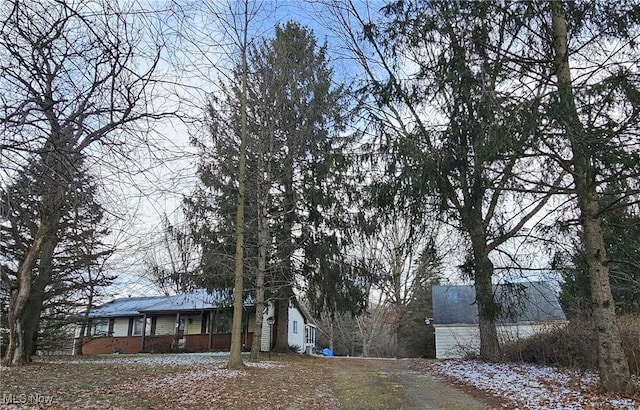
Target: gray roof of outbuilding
pixel 199 299
pixel 519 302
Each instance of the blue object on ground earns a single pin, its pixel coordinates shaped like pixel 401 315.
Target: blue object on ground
pixel 327 352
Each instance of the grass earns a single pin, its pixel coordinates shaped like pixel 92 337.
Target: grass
pixel 368 388
pixel 196 381
pixel 130 381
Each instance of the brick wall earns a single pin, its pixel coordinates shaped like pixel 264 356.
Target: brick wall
pixel 106 345
pixel 159 344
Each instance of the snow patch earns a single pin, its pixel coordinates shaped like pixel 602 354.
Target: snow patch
pixel 180 359
pixel 265 365
pixel 534 387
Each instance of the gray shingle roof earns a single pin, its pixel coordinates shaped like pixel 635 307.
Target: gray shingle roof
pixel 520 302
pixel 198 299
pixel 124 306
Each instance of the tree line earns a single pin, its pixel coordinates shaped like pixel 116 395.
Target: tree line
pixel 506 123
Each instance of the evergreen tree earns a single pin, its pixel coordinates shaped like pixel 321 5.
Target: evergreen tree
pixel 456 126
pixel 621 232
pixel 78 251
pixel 295 172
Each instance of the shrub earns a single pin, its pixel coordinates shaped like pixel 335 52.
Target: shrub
pixel 574 345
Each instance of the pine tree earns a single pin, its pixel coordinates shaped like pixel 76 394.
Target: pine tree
pixel 295 169
pixel 456 127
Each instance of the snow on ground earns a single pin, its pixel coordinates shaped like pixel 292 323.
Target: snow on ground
pixel 534 387
pixel 205 371
pixel 169 360
pixel 191 378
pixel 182 359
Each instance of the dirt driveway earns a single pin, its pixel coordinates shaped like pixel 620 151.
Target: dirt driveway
pixel 391 384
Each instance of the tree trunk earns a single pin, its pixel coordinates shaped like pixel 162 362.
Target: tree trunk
pixel 263 242
pixel 282 329
pixel 77 348
pixel 331 334
pixel 235 358
pixel 27 295
pixel 288 248
pixel 364 335
pixel 18 352
pixel 264 182
pixel 612 364
pixel 488 309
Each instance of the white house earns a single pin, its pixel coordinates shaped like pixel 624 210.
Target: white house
pixel 301 328
pixel 526 309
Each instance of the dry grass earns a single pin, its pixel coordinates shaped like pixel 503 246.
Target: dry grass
pixel 123 384
pixel 202 381
pixel 574 345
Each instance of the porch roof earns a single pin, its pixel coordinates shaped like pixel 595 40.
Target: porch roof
pixel 196 300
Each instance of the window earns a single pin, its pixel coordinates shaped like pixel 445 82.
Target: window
pixel 295 326
pixel 309 335
pixel 138 325
pixel 100 328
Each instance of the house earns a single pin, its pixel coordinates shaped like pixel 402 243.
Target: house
pixel 525 309
pixel 301 329
pixel 192 322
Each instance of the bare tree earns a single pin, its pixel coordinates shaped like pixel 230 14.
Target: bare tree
pixel 173 263
pixel 235 360
pixel 401 250
pixel 76 78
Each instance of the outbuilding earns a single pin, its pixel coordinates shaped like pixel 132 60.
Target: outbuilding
pixel 525 309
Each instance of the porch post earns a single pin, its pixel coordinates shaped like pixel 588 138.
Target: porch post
pixel 177 330
pixel 144 331
pixel 210 328
pixel 245 329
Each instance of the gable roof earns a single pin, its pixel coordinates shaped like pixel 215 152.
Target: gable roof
pixel 304 312
pixel 199 299
pixel 519 302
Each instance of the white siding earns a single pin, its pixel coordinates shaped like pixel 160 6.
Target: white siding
pixel 165 325
pixel 121 326
pixel 296 333
pixel 455 341
pixel 293 338
pixel 193 328
pixel 266 329
pixel 515 332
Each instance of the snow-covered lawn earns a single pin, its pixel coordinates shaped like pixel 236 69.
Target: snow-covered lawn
pixel 182 359
pixel 164 360
pixel 533 387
